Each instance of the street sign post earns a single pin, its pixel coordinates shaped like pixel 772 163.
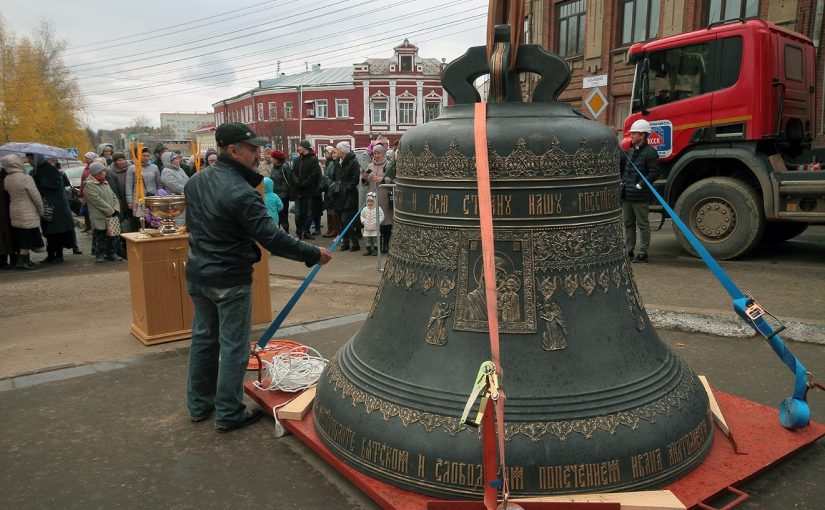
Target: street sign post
pixel 595 102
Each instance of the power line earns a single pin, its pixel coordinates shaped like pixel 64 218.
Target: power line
pixel 301 42
pixel 117 76
pixel 176 27
pixel 222 84
pixel 144 56
pixel 260 62
pixel 155 57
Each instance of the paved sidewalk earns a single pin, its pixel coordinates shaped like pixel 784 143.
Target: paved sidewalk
pixel 121 437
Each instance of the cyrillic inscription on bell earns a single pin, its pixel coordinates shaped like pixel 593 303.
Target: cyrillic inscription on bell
pixel 595 401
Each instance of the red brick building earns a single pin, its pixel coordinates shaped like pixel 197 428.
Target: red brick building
pixel 381 97
pixel 594 35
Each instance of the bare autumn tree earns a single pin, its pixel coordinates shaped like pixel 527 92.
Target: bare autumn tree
pixel 40 99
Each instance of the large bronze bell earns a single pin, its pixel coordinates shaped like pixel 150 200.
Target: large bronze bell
pixel 595 401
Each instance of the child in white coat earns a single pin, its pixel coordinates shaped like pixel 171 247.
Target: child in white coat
pixel 371 218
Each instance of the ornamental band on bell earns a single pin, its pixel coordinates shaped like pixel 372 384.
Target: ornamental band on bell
pixel 520 163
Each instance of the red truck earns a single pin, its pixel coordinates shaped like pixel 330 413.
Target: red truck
pixel 732 109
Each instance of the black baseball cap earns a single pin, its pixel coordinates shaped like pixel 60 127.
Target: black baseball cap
pixel 234 132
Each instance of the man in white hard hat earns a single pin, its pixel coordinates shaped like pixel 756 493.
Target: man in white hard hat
pixel 635 195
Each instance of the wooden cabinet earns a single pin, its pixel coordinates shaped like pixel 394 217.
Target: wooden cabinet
pixel 162 310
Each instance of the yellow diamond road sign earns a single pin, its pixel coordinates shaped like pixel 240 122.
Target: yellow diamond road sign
pixel 595 102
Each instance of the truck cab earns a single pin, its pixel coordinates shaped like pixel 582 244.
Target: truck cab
pixel 732 113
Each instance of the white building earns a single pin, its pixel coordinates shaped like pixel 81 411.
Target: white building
pixel 181 125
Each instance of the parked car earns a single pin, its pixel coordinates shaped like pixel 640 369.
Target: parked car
pixel 74 171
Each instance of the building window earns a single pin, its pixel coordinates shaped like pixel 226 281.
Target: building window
pixel 719 10
pixel 621 110
pixel 342 108
pixel 320 108
pixel 260 112
pixel 527 35
pixel 431 110
pixel 379 112
pixel 288 110
pixel 571 28
pixel 273 111
pixel 640 20
pixel 406 63
pixel 406 112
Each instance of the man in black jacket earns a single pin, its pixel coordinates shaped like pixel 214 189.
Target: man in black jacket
pixel 635 195
pixel 226 216
pixel 307 181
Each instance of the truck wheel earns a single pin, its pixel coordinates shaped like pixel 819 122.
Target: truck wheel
pixel 780 231
pixel 724 213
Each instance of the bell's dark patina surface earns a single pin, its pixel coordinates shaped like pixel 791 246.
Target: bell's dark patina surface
pixel 596 402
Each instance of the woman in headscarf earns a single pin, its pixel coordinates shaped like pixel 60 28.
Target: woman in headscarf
pixel 57 222
pixel 116 175
pixel 106 150
pixel 347 180
pixel 25 210
pixel 102 204
pixel 376 174
pixel 173 177
pixel 88 158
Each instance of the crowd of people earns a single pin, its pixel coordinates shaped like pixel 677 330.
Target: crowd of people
pixel 309 185
pixel 36 204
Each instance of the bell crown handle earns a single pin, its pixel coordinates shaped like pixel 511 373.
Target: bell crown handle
pixel 460 74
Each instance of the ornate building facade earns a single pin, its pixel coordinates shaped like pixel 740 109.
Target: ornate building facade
pixel 381 97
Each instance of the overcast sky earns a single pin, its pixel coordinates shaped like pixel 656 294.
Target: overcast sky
pixel 184 55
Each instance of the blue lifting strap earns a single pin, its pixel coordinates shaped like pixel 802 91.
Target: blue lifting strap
pixel 794 412
pixel 270 331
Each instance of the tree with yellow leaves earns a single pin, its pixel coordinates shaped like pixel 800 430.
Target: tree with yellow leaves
pixel 40 100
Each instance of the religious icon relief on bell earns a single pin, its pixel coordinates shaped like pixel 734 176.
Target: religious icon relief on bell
pixel 437 331
pixel 554 336
pixel 555 328
pixel 515 293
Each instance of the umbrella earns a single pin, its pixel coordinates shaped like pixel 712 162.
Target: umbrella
pixel 35 148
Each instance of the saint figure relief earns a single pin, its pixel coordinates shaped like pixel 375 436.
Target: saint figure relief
pixel 436 327
pixel 555 332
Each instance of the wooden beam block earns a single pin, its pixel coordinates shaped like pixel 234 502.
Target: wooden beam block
pixel 298 407
pixel 642 500
pixel 714 407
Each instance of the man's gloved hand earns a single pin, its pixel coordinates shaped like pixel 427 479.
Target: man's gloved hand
pixel 638 185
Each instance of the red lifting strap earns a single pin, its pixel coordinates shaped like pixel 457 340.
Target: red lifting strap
pixel 488 256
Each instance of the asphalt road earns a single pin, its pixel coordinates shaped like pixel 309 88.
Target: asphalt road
pixel 121 438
